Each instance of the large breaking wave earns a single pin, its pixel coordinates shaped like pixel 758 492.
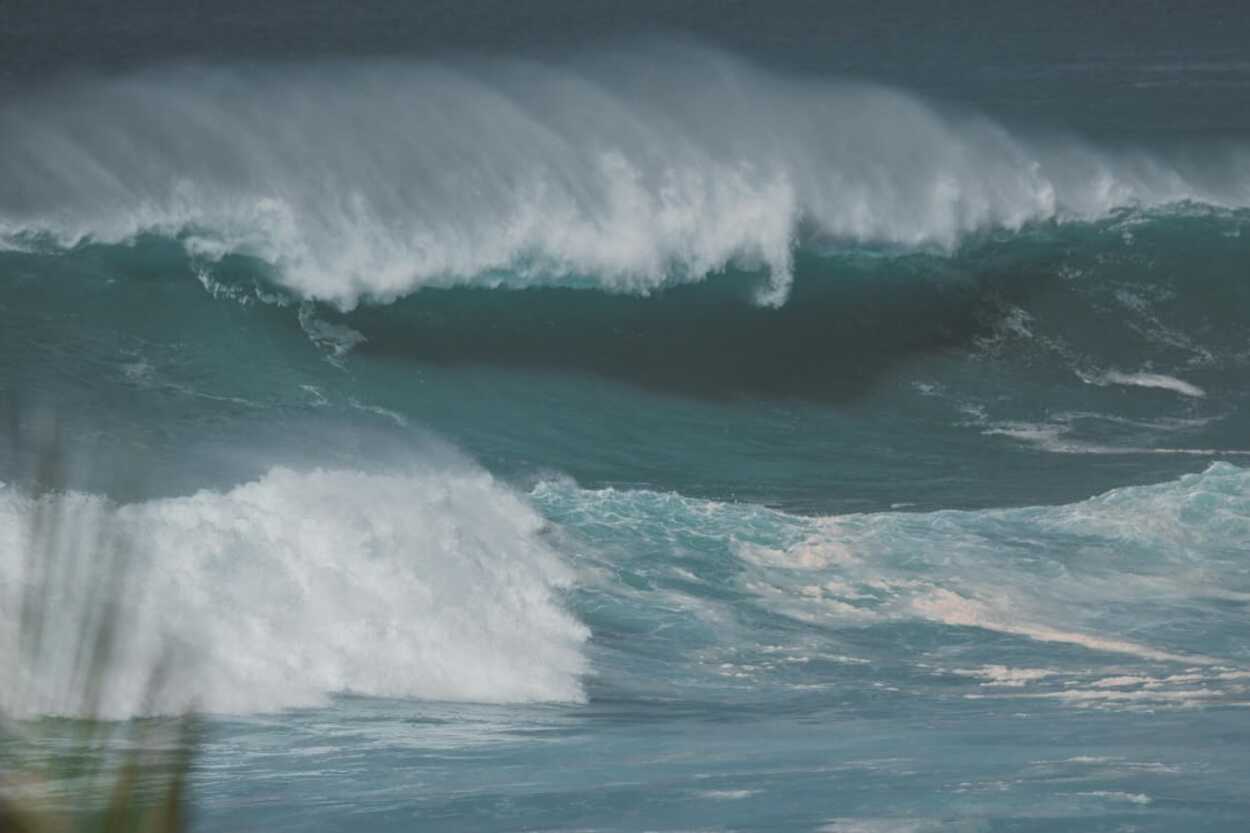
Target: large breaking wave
pixel 627 171
pixel 281 592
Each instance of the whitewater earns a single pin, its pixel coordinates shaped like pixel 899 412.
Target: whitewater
pixel 626 172
pixel 652 436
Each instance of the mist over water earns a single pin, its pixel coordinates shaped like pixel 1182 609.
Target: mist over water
pixel 628 172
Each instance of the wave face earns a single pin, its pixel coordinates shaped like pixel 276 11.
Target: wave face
pixel 628 171
pixel 1109 352
pixel 281 592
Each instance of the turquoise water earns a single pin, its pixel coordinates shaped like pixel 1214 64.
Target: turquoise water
pixel 669 436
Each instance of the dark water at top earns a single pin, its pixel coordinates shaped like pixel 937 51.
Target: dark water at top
pixel 1121 69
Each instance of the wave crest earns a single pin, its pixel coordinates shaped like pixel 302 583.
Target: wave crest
pixel 627 172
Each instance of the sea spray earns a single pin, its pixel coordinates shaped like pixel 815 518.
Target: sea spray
pixel 630 172
pixel 282 592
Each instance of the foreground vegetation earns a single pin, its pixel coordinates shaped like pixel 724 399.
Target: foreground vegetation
pixel 63 766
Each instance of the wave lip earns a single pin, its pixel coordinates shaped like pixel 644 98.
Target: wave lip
pixel 281 592
pixel 628 173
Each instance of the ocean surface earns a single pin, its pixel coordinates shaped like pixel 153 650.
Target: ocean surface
pixel 589 417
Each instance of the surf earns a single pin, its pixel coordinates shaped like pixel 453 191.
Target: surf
pixel 285 592
pixel 628 171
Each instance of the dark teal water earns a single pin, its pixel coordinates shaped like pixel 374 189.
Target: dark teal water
pixel 796 421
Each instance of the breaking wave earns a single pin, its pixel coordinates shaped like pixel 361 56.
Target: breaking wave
pixel 281 592
pixel 628 171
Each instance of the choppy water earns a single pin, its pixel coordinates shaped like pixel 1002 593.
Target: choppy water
pixel 662 437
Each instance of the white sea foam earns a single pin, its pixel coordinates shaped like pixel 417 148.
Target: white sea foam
pixel 901 825
pixel 1004 676
pixel 626 171
pixel 991 570
pixel 336 340
pixel 1056 592
pixel 386 413
pixel 432 584
pixel 951 608
pixel 1057 438
pixel 1159 381
pixel 1114 795
pixel 727 795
